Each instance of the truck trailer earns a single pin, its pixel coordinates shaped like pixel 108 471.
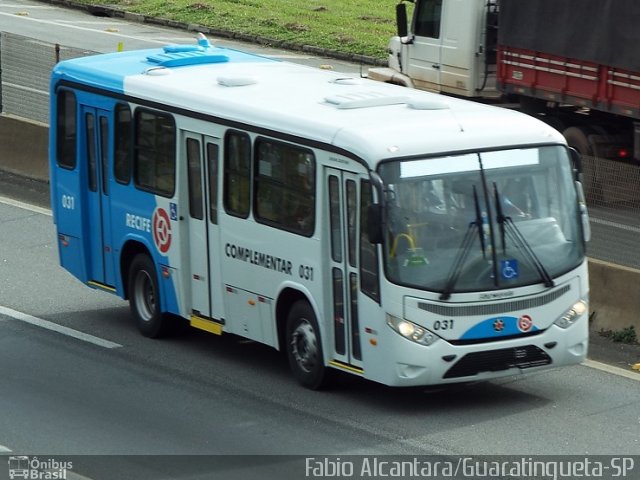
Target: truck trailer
pixel 573 63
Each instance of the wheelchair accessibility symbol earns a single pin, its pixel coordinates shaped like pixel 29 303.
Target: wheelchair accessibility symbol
pixel 509 269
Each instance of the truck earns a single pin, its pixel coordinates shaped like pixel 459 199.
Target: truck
pixel 573 63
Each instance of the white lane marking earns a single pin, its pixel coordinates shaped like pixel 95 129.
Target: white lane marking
pixel 25 206
pixel 621 372
pixel 292 55
pixel 4 449
pixel 26 89
pixel 70 332
pixel 588 363
pixel 92 22
pixel 75 476
pixel 37 7
pixel 74 27
pixel 158 40
pixel 621 226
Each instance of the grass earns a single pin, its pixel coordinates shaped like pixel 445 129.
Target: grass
pixel 353 27
pixel 627 335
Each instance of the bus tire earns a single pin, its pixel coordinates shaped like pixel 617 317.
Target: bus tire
pixel 304 348
pixel 144 297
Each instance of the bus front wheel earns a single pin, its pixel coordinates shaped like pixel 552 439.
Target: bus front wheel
pixel 304 349
pixel 144 297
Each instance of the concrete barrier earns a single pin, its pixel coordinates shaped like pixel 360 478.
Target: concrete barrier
pixel 615 290
pixel 614 298
pixel 24 147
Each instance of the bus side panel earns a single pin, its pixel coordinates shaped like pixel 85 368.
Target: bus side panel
pixel 166 252
pixel 152 222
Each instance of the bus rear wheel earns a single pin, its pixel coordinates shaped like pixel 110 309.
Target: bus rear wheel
pixel 144 298
pixel 304 349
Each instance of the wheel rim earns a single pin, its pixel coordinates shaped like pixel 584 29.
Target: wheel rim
pixel 304 346
pixel 145 296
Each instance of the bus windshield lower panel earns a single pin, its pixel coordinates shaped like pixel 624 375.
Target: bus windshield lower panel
pixel 481 221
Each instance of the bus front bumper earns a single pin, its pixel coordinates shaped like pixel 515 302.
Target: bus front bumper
pixel 443 362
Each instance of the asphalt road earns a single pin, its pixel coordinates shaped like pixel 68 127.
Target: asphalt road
pixel 601 348
pixel 99 388
pixel 123 406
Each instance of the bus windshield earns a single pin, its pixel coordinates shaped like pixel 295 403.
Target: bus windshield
pixel 481 221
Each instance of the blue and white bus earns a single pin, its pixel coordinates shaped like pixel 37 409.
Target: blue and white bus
pixel 394 234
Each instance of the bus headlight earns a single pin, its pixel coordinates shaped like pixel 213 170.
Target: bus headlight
pixel 574 313
pixel 411 331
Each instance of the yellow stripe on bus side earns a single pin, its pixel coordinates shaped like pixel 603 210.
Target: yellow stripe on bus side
pixel 206 325
pixel 344 366
pixel 101 286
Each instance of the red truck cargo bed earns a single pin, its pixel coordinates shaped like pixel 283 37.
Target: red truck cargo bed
pixel 568 81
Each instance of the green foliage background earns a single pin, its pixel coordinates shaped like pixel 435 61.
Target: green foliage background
pixel 361 27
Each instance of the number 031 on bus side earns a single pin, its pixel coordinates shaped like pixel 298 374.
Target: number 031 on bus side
pixel 393 234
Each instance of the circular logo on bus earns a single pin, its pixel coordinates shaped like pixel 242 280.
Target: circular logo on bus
pixel 525 323
pixel 161 230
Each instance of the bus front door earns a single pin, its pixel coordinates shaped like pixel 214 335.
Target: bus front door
pixel 95 149
pixel 342 207
pixel 201 153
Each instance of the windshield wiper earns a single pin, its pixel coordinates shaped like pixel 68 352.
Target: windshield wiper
pixel 478 223
pixel 508 228
pixel 465 248
pixel 500 217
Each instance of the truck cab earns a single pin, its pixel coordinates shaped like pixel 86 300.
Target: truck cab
pixel 557 61
pixel 448 47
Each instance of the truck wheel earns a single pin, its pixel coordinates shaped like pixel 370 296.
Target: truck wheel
pixel 144 297
pixel 578 138
pixel 304 349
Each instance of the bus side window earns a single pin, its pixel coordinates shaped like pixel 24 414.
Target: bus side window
pixel 237 172
pixel 91 152
pixel 352 211
pixel 285 186
pixel 104 153
pixel 122 148
pixel 369 283
pixel 212 170
pixel 66 129
pixel 334 218
pixel 155 152
pixel 194 173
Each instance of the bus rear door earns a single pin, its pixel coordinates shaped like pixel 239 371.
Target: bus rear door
pixel 342 198
pixel 95 141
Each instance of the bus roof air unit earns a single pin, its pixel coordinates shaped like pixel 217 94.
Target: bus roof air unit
pixel 365 100
pixel 237 80
pixel 427 104
pixel 183 55
pixel 378 99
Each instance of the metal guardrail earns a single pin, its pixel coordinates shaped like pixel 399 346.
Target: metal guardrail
pixel 613 195
pixel 612 188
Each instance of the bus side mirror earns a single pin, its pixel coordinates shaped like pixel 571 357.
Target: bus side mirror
pixel 401 20
pixel 584 213
pixel 374 223
pixel 576 163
